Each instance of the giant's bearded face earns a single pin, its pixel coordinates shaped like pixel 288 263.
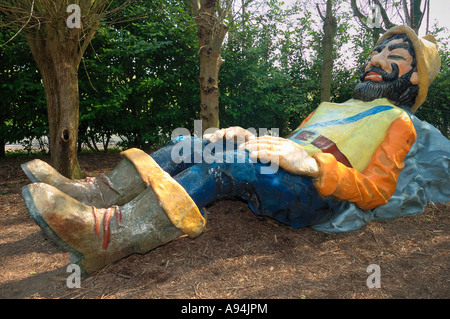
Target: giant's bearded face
pixel 390 73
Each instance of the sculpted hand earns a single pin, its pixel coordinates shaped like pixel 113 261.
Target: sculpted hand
pixel 286 153
pixel 236 132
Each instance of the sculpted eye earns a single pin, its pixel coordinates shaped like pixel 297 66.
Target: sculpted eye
pixel 396 57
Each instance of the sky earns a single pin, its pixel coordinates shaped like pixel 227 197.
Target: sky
pixel 440 12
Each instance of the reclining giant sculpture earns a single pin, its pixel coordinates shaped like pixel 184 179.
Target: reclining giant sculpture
pixel 345 165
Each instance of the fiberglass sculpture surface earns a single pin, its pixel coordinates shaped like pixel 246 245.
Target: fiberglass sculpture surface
pixel 345 165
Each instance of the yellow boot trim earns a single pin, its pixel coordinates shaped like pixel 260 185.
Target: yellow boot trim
pixel 173 198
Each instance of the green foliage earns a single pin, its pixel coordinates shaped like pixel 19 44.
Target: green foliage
pixel 23 114
pixel 250 83
pixel 140 79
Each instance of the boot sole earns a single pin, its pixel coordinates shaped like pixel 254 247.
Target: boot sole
pixel 28 173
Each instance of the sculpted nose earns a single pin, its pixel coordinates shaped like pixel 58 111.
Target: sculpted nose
pixel 379 60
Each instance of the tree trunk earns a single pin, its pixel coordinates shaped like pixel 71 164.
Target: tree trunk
pixel 416 15
pixel 329 28
pixel 58 63
pixel 211 33
pixel 210 61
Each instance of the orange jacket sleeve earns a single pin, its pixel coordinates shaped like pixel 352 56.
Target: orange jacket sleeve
pixel 307 118
pixel 376 184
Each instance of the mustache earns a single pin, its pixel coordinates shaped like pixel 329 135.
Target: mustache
pixel 399 90
pixel 386 76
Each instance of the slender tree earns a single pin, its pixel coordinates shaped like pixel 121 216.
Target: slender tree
pixel 209 16
pixel 58 33
pixel 329 29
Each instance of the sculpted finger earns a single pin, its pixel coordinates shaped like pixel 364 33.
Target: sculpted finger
pixel 249 136
pixel 241 135
pixel 272 139
pixel 261 146
pixel 269 140
pixel 217 135
pixel 230 133
pixel 266 156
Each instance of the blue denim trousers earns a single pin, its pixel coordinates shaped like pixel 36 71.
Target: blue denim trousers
pixel 210 171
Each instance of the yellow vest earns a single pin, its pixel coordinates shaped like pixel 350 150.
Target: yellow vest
pixel 352 131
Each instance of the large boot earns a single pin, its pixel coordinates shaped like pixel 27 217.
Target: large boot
pixel 116 188
pixel 97 237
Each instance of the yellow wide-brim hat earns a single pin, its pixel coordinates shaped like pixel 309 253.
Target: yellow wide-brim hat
pixel 427 57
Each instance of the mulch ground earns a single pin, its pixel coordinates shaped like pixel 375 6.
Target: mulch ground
pixel 238 256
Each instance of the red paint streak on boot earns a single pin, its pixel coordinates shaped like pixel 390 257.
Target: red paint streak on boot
pixel 108 214
pixel 90 179
pixel 106 227
pixel 118 215
pixel 104 179
pixel 96 220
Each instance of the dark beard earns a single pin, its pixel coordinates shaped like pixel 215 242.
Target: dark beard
pixel 397 89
